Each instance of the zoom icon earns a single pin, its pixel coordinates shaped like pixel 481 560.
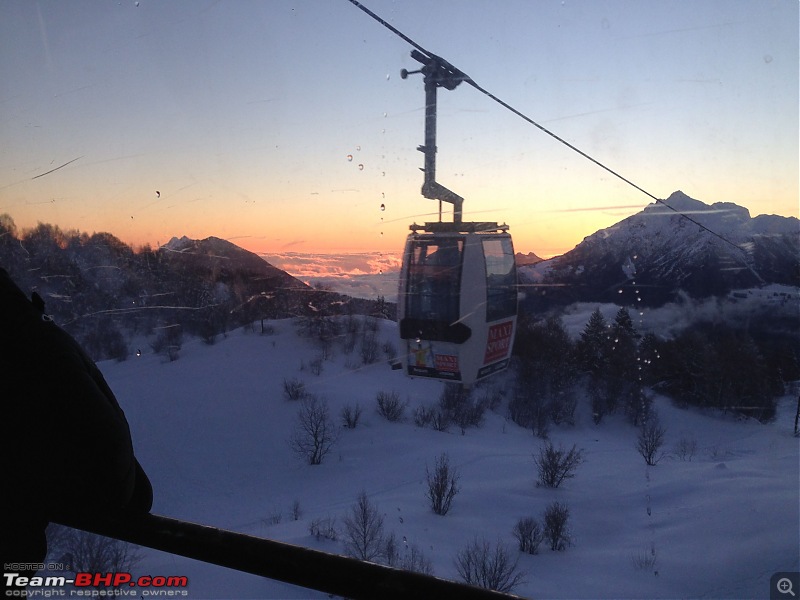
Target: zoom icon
pixel 784 585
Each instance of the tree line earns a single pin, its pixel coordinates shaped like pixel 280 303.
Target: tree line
pixel 105 293
pixel 713 365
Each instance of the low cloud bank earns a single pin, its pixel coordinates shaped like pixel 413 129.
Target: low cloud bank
pixel 361 275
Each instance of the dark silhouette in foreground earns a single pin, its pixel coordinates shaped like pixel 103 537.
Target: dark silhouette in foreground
pixel 66 446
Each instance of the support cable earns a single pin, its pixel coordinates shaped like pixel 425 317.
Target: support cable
pixel 464 77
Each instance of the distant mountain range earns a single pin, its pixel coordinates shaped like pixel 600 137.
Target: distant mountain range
pixel 97 285
pixel 523 260
pixel 104 293
pixel 653 255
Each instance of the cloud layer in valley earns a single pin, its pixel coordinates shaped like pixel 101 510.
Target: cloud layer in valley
pixel 362 275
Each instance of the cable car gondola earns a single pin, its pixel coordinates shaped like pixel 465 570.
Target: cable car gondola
pixel 457 302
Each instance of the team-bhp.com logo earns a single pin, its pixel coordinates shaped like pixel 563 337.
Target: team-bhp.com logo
pixel 96 585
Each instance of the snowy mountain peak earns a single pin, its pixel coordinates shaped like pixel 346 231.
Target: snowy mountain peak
pixel 177 244
pixel 677 244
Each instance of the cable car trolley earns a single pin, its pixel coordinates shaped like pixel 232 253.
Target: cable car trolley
pixel 457 302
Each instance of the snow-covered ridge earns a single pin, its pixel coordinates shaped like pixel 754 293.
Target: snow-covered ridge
pixel 668 248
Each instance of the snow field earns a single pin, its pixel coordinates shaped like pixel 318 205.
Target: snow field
pixel 211 430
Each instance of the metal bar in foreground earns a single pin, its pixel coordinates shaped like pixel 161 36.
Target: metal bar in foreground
pixel 329 573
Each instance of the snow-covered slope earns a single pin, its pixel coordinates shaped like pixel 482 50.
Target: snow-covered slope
pixel 211 430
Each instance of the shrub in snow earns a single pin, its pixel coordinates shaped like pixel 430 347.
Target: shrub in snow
pixel 491 399
pixel 390 350
pixel 390 406
pixel 410 558
pixel 90 552
pixel 370 348
pixel 639 407
pixel 469 414
pixel 105 340
pixel 529 535
pixel 168 342
pixel 352 328
pixel 529 410
pixel 324 529
pixel 556 529
pixel 458 406
pixel 686 448
pixel 442 485
pixel 555 466
pixel 314 433
pixel 440 419
pixel 351 415
pixel 645 560
pixel 295 510
pixel 488 567
pixel 274 518
pixel 294 389
pixel 423 415
pixel 363 531
pixel 316 366
pixel 650 440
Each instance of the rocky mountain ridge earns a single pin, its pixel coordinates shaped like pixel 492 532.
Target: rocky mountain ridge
pixel 678 245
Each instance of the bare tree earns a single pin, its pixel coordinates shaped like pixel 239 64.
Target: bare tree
pixel 528 533
pixel 411 559
pixel 556 530
pixel 442 485
pixel 390 406
pixel 294 389
pixel 351 415
pixel 363 530
pixel 314 433
pixel 557 465
pixel 650 440
pixel 492 568
pixel 87 552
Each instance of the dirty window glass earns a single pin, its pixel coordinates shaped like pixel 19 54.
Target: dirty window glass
pixel 212 198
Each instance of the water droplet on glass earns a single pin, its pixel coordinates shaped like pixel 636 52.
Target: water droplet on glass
pixel 619 291
pixel 383 207
pixel 383 173
pixel 385 115
pixel 349 158
pixel 388 77
pixel 358 148
pixel 360 166
pixel 380 271
pixel 138 353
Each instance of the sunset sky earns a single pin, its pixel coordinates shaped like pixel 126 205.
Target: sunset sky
pixel 283 126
